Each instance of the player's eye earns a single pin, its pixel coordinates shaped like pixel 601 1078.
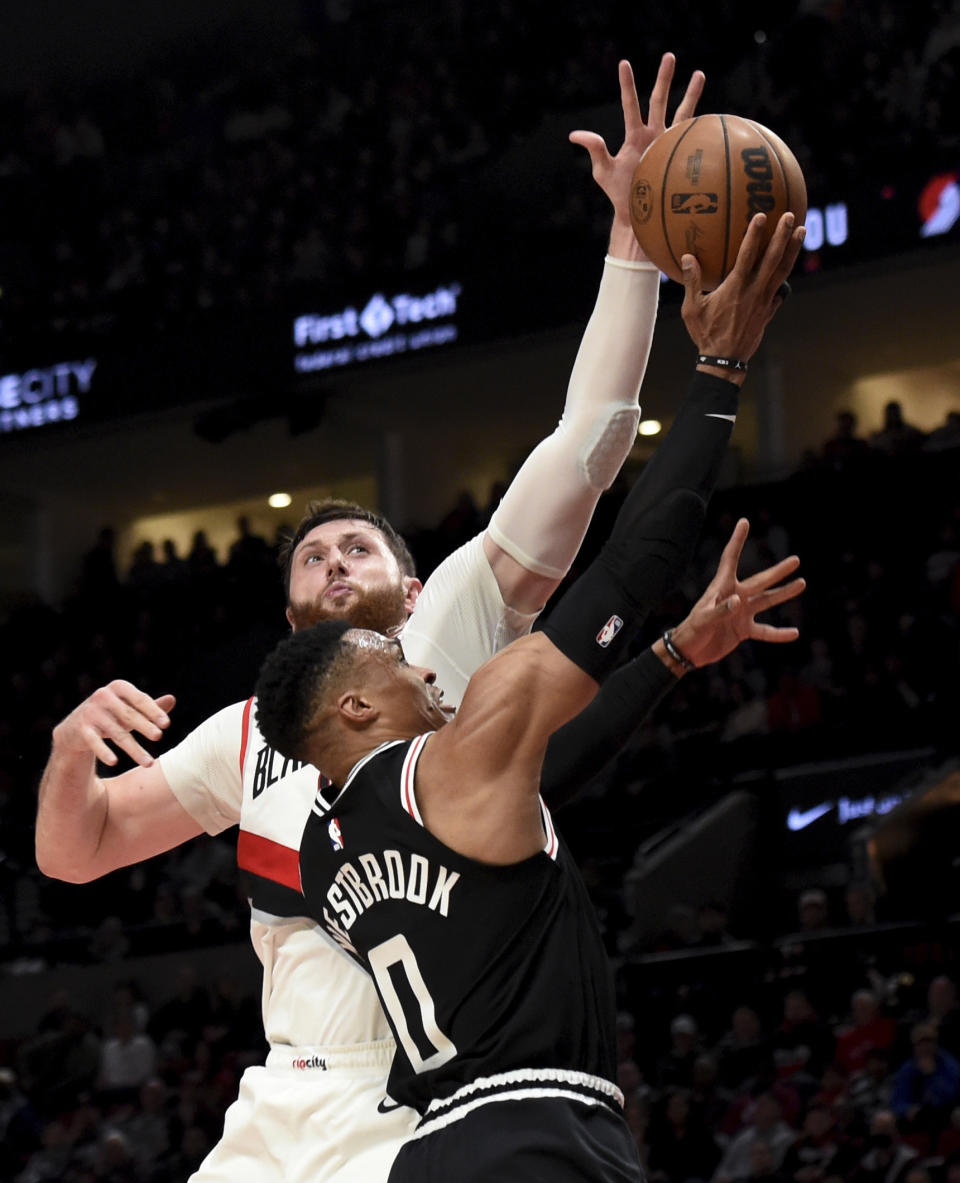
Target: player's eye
pixel 314 556
pixel 357 547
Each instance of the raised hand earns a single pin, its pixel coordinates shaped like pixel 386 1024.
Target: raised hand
pixel 730 321
pixel 726 613
pixel 114 712
pixel 613 173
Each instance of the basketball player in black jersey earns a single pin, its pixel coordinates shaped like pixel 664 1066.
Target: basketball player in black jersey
pixel 432 861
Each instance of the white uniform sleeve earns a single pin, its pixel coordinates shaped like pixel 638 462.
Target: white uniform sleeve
pixel 204 770
pixel 544 515
pixel 460 620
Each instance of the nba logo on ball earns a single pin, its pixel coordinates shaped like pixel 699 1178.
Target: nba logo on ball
pixel 609 631
pixel 336 837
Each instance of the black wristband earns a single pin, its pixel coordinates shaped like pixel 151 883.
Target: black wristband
pixel 725 363
pixel 674 652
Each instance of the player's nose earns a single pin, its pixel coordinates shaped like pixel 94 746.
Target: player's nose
pixel 429 676
pixel 335 560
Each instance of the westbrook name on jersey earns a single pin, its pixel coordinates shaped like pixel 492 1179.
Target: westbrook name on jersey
pixel 481 970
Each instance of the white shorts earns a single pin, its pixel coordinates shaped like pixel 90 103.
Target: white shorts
pixel 311 1115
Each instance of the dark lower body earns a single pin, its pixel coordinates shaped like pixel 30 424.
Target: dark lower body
pixel 530 1140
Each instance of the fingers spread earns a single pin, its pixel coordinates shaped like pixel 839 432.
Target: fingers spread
pixel 657 115
pixel 771 575
pixel 688 104
pixel 632 120
pixel 770 632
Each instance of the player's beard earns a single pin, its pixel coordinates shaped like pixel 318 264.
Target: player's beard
pixel 381 609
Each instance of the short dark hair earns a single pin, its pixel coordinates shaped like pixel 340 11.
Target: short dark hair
pixel 334 509
pixel 291 684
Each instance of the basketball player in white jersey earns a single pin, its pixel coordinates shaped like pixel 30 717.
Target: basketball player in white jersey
pixel 315 1111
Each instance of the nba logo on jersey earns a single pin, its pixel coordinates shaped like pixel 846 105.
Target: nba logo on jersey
pixel 609 631
pixel 336 838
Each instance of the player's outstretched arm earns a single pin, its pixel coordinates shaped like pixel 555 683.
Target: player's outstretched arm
pixel 728 322
pixel 537 529
pixel 723 617
pixel 88 825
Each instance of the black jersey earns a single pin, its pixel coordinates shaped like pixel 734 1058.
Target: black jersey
pixel 480 969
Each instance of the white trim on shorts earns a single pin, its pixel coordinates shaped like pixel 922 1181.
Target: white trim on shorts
pixel 518 1085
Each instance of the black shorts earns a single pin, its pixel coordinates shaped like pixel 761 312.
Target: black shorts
pixel 532 1140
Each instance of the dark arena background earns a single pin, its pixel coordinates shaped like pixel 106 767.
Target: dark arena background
pixel 250 249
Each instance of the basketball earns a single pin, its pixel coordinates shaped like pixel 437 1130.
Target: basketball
pixel 698 185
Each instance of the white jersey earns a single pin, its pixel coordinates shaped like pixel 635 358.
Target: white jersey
pixel 225 774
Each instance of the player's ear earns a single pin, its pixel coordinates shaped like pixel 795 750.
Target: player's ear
pixel 412 587
pixel 289 616
pixel 356 710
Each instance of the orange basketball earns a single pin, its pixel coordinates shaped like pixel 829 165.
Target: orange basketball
pixel 698 185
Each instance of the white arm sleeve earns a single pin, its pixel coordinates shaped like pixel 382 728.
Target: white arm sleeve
pixel 544 514
pixel 203 770
pixel 460 620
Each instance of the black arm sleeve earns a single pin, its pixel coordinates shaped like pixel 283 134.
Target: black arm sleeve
pixel 579 751
pixel 689 459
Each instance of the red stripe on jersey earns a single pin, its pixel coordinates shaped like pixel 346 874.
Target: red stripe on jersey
pixel 409 771
pixel 268 859
pixel 552 844
pixel 245 733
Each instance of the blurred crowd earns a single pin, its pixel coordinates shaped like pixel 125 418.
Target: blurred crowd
pixel 222 177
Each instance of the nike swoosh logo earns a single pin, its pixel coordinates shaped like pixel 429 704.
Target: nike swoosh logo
pixel 717 415
pixel 386 1107
pixel 799 819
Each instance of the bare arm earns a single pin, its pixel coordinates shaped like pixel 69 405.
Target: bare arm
pixel 88 825
pixel 478 778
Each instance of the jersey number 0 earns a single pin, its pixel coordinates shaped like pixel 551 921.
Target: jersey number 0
pixel 394 964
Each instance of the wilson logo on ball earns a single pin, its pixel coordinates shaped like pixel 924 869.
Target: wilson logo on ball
pixel 693 203
pixel 759 170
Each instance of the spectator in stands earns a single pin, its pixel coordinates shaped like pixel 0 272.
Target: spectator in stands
pixel 767 1126
pixel 869 1029
pixel 946 436
pixel 871 1087
pixel 802 1044
pixel 709 1101
pixel 926 1086
pixel 887 1159
pixel 712 921
pixel 147 1126
pixel 845 446
pixel 763 1166
pixel 860 904
pixel 19 1124
pixel 202 558
pixel 51 1160
pixel 944 1013
pixel 675 1068
pixel 116 1161
pixel 896 437
pixel 743 1049
pixel 812 910
pixel 128 1059
pixel 813 1154
pixel 681 1145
